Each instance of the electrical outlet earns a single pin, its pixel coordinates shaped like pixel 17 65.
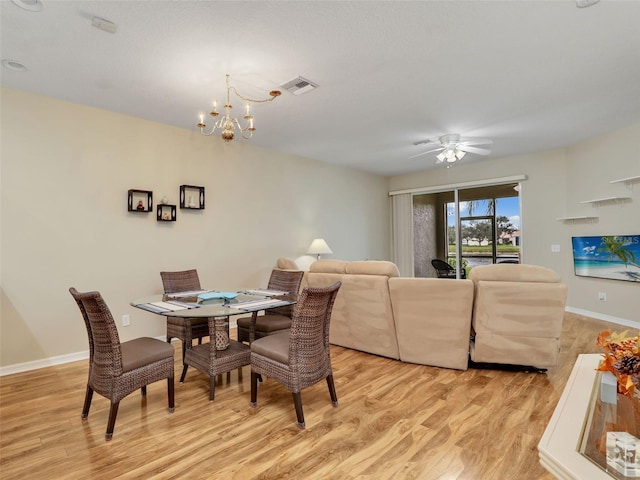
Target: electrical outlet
pixel 126 321
pixel 602 296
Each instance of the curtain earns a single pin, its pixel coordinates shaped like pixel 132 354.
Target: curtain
pixel 402 228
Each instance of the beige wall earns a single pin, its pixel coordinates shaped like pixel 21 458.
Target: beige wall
pixel 591 166
pixel 65 173
pixel 556 182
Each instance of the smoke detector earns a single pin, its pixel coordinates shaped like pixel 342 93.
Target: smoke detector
pixel 299 85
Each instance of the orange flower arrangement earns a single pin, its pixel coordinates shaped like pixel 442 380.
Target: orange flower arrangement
pixel 622 358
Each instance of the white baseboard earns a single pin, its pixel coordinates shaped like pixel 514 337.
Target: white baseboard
pixel 45 362
pixel 48 362
pixel 602 316
pixel 74 357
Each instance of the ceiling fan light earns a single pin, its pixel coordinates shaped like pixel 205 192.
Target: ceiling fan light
pixel 460 154
pixel 441 156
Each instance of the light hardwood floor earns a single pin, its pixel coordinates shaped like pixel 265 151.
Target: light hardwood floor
pixel 395 421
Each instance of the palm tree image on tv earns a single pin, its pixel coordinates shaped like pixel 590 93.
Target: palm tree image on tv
pixel 612 257
pixel 615 247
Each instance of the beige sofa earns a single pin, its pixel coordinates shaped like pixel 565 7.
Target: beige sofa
pixel 416 320
pixel 517 315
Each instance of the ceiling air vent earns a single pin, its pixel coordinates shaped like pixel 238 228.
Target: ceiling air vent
pixel 298 86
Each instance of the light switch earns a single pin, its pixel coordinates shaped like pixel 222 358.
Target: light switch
pixel 555 248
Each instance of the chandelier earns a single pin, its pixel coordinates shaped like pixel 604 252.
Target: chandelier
pixel 450 154
pixel 228 124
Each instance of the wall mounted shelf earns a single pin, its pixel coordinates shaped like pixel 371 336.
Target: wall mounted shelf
pixel 586 219
pixel 140 201
pixel 166 213
pixel 629 181
pixel 191 193
pixel 599 201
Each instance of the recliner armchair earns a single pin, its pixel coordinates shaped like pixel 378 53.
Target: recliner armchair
pixel 517 315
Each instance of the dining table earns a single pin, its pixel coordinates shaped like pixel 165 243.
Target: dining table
pixel 217 304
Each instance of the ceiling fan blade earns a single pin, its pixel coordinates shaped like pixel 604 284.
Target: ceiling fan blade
pixel 423 142
pixel 475 141
pixel 428 151
pixel 479 151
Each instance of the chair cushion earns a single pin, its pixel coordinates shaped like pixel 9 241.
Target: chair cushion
pixel 143 351
pixel 266 323
pixel 275 347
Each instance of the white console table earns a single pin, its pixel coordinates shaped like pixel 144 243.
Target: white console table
pixel 559 447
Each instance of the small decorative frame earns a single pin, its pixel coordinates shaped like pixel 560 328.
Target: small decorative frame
pixel 139 198
pixel 188 192
pixel 166 213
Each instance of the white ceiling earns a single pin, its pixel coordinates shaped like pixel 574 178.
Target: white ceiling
pixel 530 75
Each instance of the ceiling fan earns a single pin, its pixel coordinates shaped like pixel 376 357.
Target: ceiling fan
pixel 453 147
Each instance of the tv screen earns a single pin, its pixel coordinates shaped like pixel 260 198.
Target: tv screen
pixel 616 257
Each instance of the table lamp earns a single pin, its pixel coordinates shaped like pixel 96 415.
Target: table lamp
pixel 318 247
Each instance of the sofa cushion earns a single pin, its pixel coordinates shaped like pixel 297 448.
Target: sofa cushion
pixel 510 272
pixel 329 266
pixel 373 267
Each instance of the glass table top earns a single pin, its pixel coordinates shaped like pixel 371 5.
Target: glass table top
pixel 219 307
pixel 611 436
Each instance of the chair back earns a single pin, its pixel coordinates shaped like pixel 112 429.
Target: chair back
pixel 309 334
pixel 181 281
pixel 286 281
pixel 105 355
pixel 442 268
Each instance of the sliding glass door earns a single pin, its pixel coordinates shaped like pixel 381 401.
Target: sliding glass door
pixel 470 226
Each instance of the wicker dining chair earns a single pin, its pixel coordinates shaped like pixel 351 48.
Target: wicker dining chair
pixel 274 320
pixel 300 357
pixel 184 329
pixel 118 369
pixel 209 359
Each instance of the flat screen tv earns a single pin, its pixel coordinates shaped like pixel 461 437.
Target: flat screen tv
pixel 616 257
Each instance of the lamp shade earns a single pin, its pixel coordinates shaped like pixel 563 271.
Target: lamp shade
pixel 318 247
